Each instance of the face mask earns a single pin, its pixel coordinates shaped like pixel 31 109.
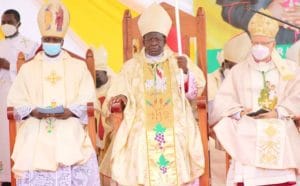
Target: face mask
pixel 52 49
pixel 260 52
pixel 8 30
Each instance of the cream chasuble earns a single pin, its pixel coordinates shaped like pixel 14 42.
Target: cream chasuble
pixel 54 83
pixel 156 142
pixel 45 144
pixel 262 149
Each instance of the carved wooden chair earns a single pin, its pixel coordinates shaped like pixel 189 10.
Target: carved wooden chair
pixel 193 29
pixel 91 126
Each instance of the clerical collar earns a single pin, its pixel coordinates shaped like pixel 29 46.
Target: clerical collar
pixel 262 66
pixel 52 59
pixel 154 59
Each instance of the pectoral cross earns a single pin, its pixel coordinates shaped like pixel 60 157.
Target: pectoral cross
pixel 53 78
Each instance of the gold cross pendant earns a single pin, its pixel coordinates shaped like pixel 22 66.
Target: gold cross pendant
pixel 53 78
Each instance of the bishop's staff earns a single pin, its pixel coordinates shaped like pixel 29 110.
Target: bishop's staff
pixel 179 45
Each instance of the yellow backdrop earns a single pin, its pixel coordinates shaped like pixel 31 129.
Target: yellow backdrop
pixel 99 22
pixel 215 24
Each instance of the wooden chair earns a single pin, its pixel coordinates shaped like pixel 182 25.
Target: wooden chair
pixel 91 127
pixel 191 27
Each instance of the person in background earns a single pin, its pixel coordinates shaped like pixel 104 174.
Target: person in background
pixel 104 79
pixel 234 51
pixel 13 43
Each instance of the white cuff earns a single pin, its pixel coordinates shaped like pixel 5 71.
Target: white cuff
pixel 282 113
pixel 80 111
pixel 22 112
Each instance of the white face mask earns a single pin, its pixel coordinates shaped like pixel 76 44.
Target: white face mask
pixel 260 52
pixel 8 29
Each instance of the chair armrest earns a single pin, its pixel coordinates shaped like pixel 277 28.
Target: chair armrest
pixel 201 102
pixel 10 113
pixel 90 109
pixel 202 123
pixel 91 127
pixel 12 137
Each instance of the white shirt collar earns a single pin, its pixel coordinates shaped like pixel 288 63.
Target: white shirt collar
pixel 154 59
pixel 52 59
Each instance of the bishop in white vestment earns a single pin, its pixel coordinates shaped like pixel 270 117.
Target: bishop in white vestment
pixel 264 146
pixel 158 141
pixel 53 148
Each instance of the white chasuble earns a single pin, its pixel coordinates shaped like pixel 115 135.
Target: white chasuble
pixel 53 83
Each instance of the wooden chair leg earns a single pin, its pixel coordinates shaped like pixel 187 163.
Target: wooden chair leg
pixel 12 139
pixel 205 178
pixel 91 127
pixel 228 158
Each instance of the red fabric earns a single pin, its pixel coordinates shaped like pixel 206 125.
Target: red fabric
pixel 279 184
pixel 186 86
pixel 172 40
pixel 100 124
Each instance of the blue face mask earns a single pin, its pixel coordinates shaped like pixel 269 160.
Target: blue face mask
pixel 52 49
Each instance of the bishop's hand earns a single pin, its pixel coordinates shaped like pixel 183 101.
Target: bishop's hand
pixel 182 63
pixel 4 64
pixel 117 104
pixel 267 115
pixel 65 115
pixel 38 115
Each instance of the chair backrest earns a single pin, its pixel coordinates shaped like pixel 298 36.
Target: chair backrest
pixel 193 29
pixel 89 61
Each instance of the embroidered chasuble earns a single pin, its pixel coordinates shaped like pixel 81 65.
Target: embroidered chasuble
pixel 157 143
pixel 159 123
pixel 53 87
pixel 53 84
pixel 51 142
pixel 262 149
pixel 270 137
